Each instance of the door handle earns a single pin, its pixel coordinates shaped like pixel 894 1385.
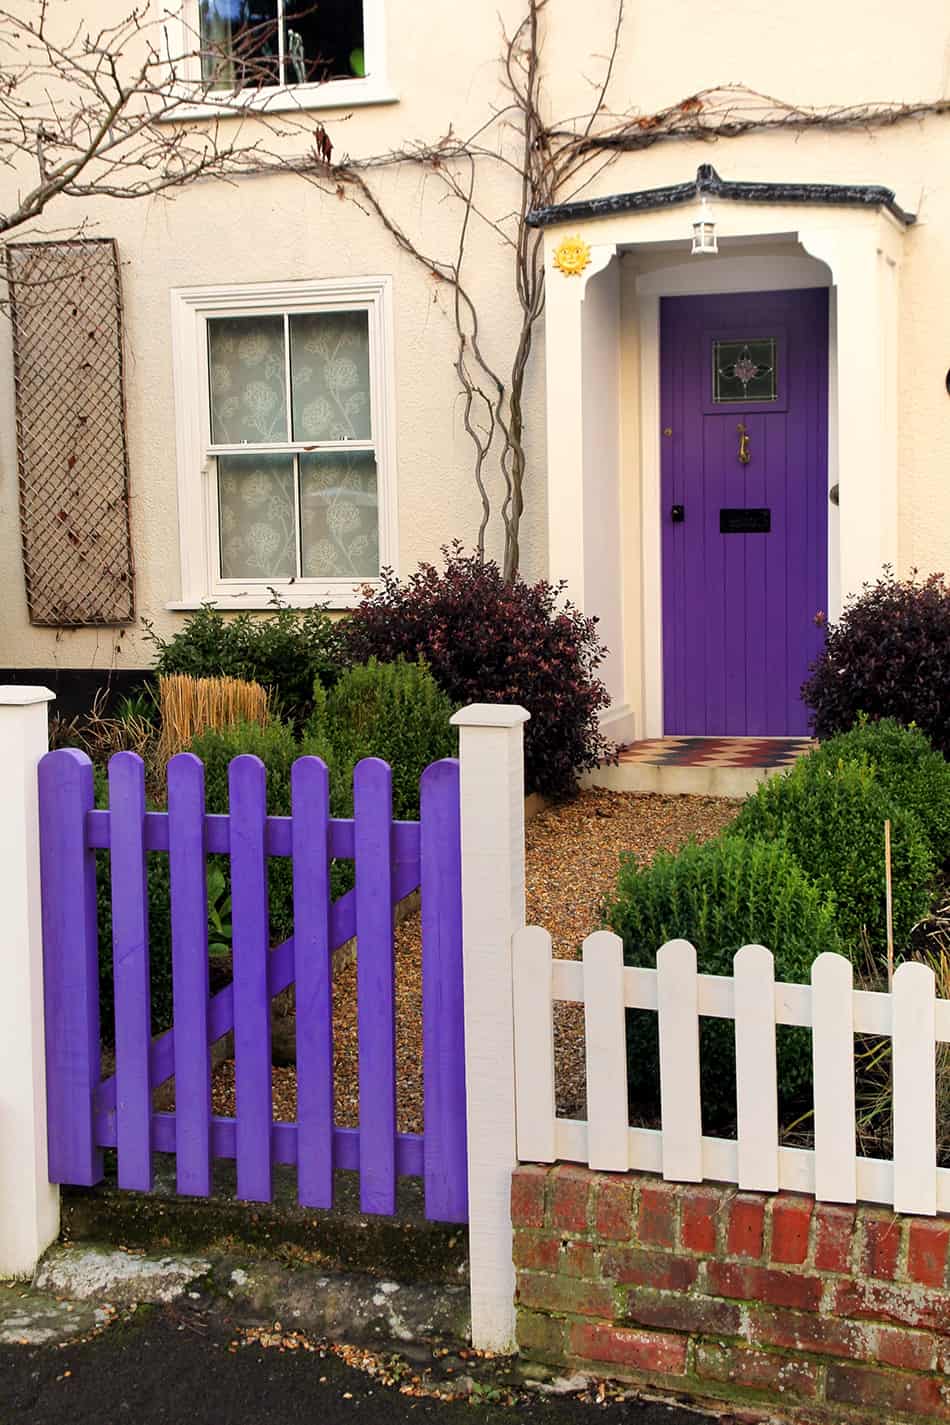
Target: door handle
pixel 678 514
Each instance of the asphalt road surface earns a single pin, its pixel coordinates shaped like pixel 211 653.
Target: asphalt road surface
pixel 159 1370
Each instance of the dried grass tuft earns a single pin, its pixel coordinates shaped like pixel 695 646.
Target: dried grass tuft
pixel 190 706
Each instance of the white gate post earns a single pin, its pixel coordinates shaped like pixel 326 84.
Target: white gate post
pixel 491 753
pixel 29 1205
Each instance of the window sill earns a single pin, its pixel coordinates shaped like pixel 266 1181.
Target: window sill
pixel 295 98
pixel 261 602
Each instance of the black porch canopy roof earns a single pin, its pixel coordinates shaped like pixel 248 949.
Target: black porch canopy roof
pixel 708 182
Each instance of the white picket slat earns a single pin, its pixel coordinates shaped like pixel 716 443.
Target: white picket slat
pixel 533 974
pixel 606 1050
pixel 833 1070
pixel 911 1015
pixel 756 1073
pixel 915 1089
pixel 680 1102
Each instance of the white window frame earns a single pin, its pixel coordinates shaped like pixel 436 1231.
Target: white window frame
pixel 201 580
pixel 373 88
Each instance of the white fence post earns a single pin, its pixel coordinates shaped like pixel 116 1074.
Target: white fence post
pixel 29 1205
pixel 491 753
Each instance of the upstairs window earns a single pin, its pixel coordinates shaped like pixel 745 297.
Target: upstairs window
pixel 253 44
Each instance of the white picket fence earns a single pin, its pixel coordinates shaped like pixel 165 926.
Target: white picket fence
pixel 830 1007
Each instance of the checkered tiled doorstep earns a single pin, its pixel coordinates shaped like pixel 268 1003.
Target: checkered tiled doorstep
pixel 717 751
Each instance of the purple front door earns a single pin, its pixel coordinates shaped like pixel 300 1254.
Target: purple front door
pixel 744 416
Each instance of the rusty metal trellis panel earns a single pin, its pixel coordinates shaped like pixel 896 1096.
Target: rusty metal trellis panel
pixel 66 309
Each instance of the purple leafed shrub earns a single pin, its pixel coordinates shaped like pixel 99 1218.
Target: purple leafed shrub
pixel 488 641
pixel 887 656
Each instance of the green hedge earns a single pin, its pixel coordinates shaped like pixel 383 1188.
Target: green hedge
pixel 284 651
pixel 831 814
pixel 721 895
pixel 390 710
pixel 907 767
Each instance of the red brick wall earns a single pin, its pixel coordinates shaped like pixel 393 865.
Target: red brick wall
pixel 824 1314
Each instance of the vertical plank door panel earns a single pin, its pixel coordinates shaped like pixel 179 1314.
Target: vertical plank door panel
pixel 70 966
pixel 247 784
pixel 680 1103
pixel 606 1053
pixel 313 965
pixel 443 1009
pixel 533 985
pixel 130 970
pixel 915 1089
pixel 372 812
pixel 833 1060
pixel 756 1068
pixel 190 989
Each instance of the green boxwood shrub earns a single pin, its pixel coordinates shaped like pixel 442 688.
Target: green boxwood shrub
pixel 394 711
pixel 907 767
pixel 721 895
pixel 831 817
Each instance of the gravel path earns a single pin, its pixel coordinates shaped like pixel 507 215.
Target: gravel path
pixel 573 853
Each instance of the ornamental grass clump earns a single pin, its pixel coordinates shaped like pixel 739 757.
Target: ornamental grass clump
pixel 887 656
pixel 721 895
pixel 489 640
pixel 190 706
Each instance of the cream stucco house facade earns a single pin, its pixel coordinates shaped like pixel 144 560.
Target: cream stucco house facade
pixel 722 446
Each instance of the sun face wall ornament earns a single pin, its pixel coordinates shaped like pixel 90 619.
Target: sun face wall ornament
pixel 572 256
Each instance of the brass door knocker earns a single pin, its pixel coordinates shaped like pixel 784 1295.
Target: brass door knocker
pixel 744 453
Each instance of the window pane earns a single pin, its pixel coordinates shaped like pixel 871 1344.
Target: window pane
pixel 239 43
pixel 256 516
pixel 329 363
pixel 248 387
pixel 339 510
pixel 745 370
pixel 324 40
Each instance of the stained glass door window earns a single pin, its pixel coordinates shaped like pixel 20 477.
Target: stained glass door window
pixel 744 371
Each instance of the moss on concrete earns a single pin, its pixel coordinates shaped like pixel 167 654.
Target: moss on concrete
pixel 406 1248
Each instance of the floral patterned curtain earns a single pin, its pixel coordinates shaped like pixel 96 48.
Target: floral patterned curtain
pixel 281 514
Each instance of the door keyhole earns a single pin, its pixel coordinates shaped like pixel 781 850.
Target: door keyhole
pixel 744 452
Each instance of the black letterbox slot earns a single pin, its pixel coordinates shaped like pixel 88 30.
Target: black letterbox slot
pixel 745 521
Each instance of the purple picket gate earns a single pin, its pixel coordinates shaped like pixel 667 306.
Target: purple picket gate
pixel 87 1113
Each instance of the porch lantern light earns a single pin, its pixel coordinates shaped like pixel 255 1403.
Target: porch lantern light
pixel 704 232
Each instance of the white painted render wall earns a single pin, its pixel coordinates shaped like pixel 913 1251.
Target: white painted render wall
pixel 443 64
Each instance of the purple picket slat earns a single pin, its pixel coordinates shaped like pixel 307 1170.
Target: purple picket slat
pixel 130 971
pixel 70 967
pixel 247 783
pixel 443 1007
pixel 189 917
pixel 310 795
pixel 372 807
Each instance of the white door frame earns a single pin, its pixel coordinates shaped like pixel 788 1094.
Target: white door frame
pixel 700 277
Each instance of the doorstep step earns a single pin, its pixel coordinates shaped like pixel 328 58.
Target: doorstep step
pixel 697 781
pixel 699 766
